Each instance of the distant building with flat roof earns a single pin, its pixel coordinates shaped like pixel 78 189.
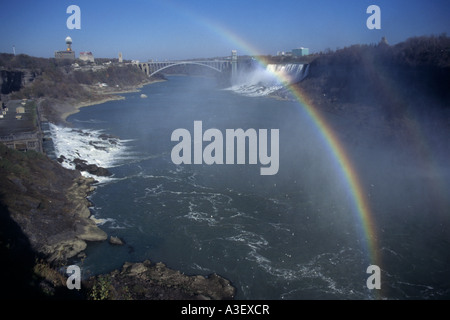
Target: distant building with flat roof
pixel 20 110
pixel 87 56
pixel 68 53
pixel 284 54
pixel 300 52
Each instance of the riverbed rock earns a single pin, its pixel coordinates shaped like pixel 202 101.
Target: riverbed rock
pixel 116 241
pixel 98 171
pixel 155 281
pixel 61 159
pixel 90 232
pixel 82 165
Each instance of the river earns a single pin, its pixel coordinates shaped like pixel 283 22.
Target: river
pixel 291 235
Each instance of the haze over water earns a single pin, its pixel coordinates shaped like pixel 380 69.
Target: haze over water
pixel 293 235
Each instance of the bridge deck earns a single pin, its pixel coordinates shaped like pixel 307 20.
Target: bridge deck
pixel 151 68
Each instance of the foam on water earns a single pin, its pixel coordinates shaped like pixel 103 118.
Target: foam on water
pixel 93 146
pixel 262 82
pixel 264 242
pixel 254 90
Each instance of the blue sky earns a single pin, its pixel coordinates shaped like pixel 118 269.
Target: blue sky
pixel 162 29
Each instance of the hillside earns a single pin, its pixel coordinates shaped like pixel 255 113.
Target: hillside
pixel 61 85
pixel 385 87
pixel 44 216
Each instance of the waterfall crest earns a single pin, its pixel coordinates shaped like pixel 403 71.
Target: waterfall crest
pixel 263 81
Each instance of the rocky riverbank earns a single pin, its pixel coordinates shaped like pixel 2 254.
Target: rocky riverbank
pixel 45 221
pixel 155 281
pixel 49 204
pixel 57 111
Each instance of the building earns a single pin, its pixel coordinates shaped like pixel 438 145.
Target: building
pixel 23 141
pixel 19 130
pixel 284 54
pixel 20 110
pixel 87 56
pixel 120 57
pixel 68 53
pixel 300 52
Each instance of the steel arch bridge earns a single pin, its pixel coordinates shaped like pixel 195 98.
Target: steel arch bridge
pixel 152 68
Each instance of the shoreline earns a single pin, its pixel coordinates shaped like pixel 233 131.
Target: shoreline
pixel 103 98
pixel 46 224
pixel 155 280
pixel 77 107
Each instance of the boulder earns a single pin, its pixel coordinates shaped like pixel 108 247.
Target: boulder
pixel 82 165
pixel 115 240
pixel 64 250
pixel 98 171
pixel 155 281
pixel 91 232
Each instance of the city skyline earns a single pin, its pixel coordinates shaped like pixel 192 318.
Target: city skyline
pixel 162 30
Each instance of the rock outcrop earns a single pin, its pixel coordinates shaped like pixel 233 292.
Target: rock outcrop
pixel 155 281
pixel 49 204
pixel 44 213
pixel 82 165
pixel 116 241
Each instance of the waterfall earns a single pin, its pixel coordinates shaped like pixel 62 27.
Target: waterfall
pixel 261 82
pixel 289 73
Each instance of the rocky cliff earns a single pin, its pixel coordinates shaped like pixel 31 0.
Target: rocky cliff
pixel 49 204
pixel 45 220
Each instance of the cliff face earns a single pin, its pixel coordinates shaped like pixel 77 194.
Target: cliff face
pixel 385 90
pixel 415 70
pixel 48 203
pixel 44 217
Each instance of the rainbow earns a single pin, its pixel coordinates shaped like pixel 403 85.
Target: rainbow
pixel 365 217
pixel 364 214
pixel 336 149
pixel 350 174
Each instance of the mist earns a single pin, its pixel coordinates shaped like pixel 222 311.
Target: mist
pixel 275 235
pixel 393 124
pixel 393 121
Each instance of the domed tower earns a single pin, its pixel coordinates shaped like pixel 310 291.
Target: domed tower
pixel 69 43
pixel 68 53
